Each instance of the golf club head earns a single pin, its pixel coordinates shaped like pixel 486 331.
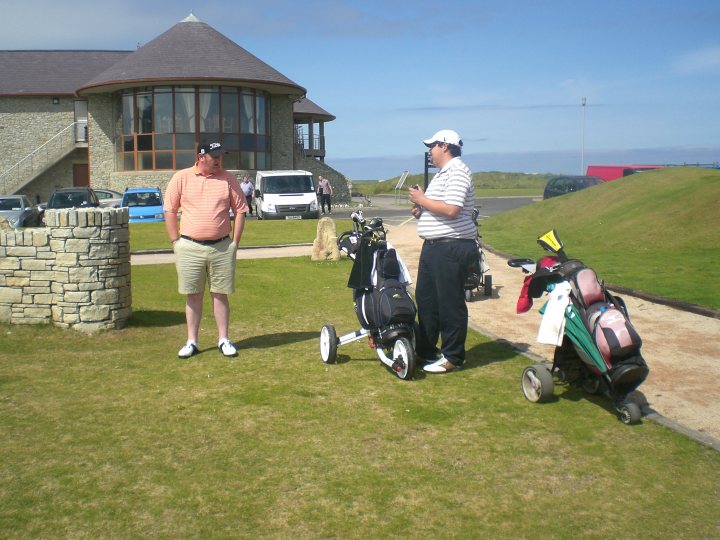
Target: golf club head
pixel 550 241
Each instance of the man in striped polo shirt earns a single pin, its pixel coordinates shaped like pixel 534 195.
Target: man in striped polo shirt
pixel 205 240
pixel 444 214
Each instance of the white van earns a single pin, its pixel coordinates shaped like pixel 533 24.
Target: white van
pixel 285 195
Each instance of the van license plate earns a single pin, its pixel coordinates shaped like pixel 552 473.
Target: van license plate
pixel 293 217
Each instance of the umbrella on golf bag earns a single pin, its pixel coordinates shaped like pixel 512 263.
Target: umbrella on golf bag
pixel 584 343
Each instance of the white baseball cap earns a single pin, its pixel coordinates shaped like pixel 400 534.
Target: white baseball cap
pixel 444 136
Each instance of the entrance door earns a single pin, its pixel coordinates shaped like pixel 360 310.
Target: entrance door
pixel 81 175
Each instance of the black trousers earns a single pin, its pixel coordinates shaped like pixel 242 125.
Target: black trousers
pixel 440 296
pixel 325 199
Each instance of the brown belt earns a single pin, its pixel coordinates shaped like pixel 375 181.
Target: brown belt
pixel 203 242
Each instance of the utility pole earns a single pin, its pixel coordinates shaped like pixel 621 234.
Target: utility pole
pixel 583 103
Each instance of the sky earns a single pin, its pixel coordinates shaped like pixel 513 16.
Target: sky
pixel 508 75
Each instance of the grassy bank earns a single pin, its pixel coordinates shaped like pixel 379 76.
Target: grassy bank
pixel 657 231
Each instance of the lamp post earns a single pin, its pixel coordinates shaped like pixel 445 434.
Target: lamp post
pixel 583 102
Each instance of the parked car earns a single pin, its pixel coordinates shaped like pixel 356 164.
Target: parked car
pixel 108 198
pixel 145 204
pixel 18 211
pixel 560 185
pixel 74 197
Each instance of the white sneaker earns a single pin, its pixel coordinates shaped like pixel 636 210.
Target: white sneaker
pixel 440 366
pixel 188 350
pixel 227 348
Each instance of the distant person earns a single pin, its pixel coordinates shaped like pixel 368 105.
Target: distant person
pixel 325 191
pixel 248 190
pixel 445 223
pixel 204 243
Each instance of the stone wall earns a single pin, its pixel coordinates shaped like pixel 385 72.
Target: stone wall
pixel 26 123
pixel 74 273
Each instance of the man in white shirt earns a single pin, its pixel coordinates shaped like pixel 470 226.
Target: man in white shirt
pixel 445 223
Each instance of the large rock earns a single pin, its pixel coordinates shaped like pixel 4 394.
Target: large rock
pixel 325 244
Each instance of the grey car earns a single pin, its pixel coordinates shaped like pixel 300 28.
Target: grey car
pixel 108 198
pixel 18 211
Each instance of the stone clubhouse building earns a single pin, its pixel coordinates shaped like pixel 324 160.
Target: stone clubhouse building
pixel 118 119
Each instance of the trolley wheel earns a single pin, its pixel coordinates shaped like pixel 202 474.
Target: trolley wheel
pixel 629 413
pixel 591 385
pixel 403 358
pixel 328 344
pixel 468 295
pixel 487 285
pixel 537 383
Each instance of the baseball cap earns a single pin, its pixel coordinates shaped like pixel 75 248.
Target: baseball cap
pixel 213 148
pixel 444 136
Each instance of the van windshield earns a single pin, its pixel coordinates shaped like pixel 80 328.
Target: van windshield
pixel 289 184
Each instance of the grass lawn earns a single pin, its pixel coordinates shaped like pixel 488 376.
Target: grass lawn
pixel 112 436
pixel 151 236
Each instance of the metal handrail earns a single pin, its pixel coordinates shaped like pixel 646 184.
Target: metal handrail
pixel 38 159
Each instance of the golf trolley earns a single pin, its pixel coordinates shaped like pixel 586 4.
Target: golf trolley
pixel 382 305
pixel 596 347
pixel 478 276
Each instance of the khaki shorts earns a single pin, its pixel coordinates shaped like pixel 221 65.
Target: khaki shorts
pixel 197 264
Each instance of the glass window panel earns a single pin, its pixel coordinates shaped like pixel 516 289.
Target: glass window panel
pixel 183 160
pixel 261 114
pixel 209 112
pixel 163 142
pixel 185 141
pixel 144 111
pixel 185 111
pixel 127 114
pixel 263 161
pixel 163 113
pixel 263 143
pixel 144 142
pixel 129 144
pixel 163 160
pixel 145 161
pixel 229 90
pixel 247 160
pixel 128 162
pixel 231 142
pixel 231 160
pixel 248 143
pixel 247 114
pixel 230 119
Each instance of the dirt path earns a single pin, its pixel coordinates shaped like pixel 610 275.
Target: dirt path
pixel 681 348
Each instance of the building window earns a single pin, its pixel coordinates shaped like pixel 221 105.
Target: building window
pixel 160 127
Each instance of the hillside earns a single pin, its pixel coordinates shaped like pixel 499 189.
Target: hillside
pixel 657 231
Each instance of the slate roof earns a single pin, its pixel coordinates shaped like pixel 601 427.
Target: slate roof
pixel 191 52
pixel 56 73
pixel 306 109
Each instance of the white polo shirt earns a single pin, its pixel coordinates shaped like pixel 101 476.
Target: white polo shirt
pixel 452 185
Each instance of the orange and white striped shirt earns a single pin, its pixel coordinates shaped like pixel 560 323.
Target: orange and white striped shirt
pixel 205 202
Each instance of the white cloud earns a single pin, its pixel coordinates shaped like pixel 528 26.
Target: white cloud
pixel 705 60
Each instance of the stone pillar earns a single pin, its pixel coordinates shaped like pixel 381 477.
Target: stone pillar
pixel 91 284
pixel 74 273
